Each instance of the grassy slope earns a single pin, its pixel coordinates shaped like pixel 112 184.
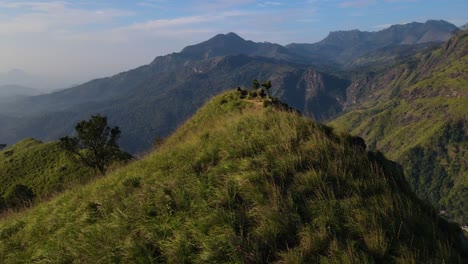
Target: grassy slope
pixel 43 167
pixel 238 183
pixel 412 113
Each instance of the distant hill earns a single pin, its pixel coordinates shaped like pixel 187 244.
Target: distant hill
pixel 416 113
pixel 355 48
pixel 243 181
pixel 12 91
pixel 464 27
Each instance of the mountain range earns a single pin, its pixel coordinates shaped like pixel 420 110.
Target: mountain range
pixel 13 92
pixel 153 99
pixel 359 48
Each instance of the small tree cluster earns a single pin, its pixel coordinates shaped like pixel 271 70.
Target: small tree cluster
pixel 95 144
pixel 266 85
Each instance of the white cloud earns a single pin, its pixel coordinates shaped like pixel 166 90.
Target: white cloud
pixel 43 17
pixel 383 26
pixel 37 6
pixel 269 3
pixel 400 1
pixel 152 3
pixel 72 45
pixel 357 3
pixel 219 5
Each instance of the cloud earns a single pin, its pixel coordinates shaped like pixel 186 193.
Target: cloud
pixel 357 3
pixel 81 42
pixel 152 3
pixel 37 6
pixel 184 21
pixel 383 26
pixel 400 1
pixel 308 20
pixel 219 5
pixel 41 17
pixel 164 23
pixel 269 3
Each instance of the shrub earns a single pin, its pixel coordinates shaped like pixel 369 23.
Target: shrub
pixel 19 196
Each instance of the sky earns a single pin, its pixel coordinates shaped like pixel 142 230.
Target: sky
pixel 69 42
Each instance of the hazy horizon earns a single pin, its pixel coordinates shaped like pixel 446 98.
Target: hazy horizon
pixel 57 44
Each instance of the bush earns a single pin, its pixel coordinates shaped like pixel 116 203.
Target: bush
pixel 19 196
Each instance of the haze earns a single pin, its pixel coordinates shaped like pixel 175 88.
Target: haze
pixel 55 44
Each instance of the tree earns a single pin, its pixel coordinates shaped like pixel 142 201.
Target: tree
pixel 267 86
pixel 255 84
pixel 95 144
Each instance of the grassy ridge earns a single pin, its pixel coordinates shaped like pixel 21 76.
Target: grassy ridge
pixel 43 167
pixel 411 120
pixel 239 183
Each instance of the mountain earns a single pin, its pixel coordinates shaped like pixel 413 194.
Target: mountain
pixel 416 114
pixel 464 27
pixel 12 91
pixel 357 48
pixel 154 99
pixel 243 181
pixel 42 83
pixel 15 76
pixel 232 44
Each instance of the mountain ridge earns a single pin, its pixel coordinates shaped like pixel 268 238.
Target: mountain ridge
pixel 11 91
pixel 151 90
pixel 351 45
pixel 416 113
pixel 263 185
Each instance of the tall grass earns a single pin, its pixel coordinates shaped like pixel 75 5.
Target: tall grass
pixel 238 185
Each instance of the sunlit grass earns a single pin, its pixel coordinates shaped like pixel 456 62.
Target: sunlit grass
pixel 238 184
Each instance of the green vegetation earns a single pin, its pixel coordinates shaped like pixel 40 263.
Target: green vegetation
pixel 419 119
pixel 441 167
pixel 18 196
pixel 242 181
pixel 95 145
pixel 43 168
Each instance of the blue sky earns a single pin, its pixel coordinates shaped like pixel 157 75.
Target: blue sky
pixel 73 41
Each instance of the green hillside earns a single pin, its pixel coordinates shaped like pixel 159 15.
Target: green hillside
pixel 43 167
pixel 416 113
pixel 240 182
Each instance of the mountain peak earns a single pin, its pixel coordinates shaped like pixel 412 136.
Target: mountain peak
pixel 231 36
pixel 219 45
pixel 231 44
pixel 344 37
